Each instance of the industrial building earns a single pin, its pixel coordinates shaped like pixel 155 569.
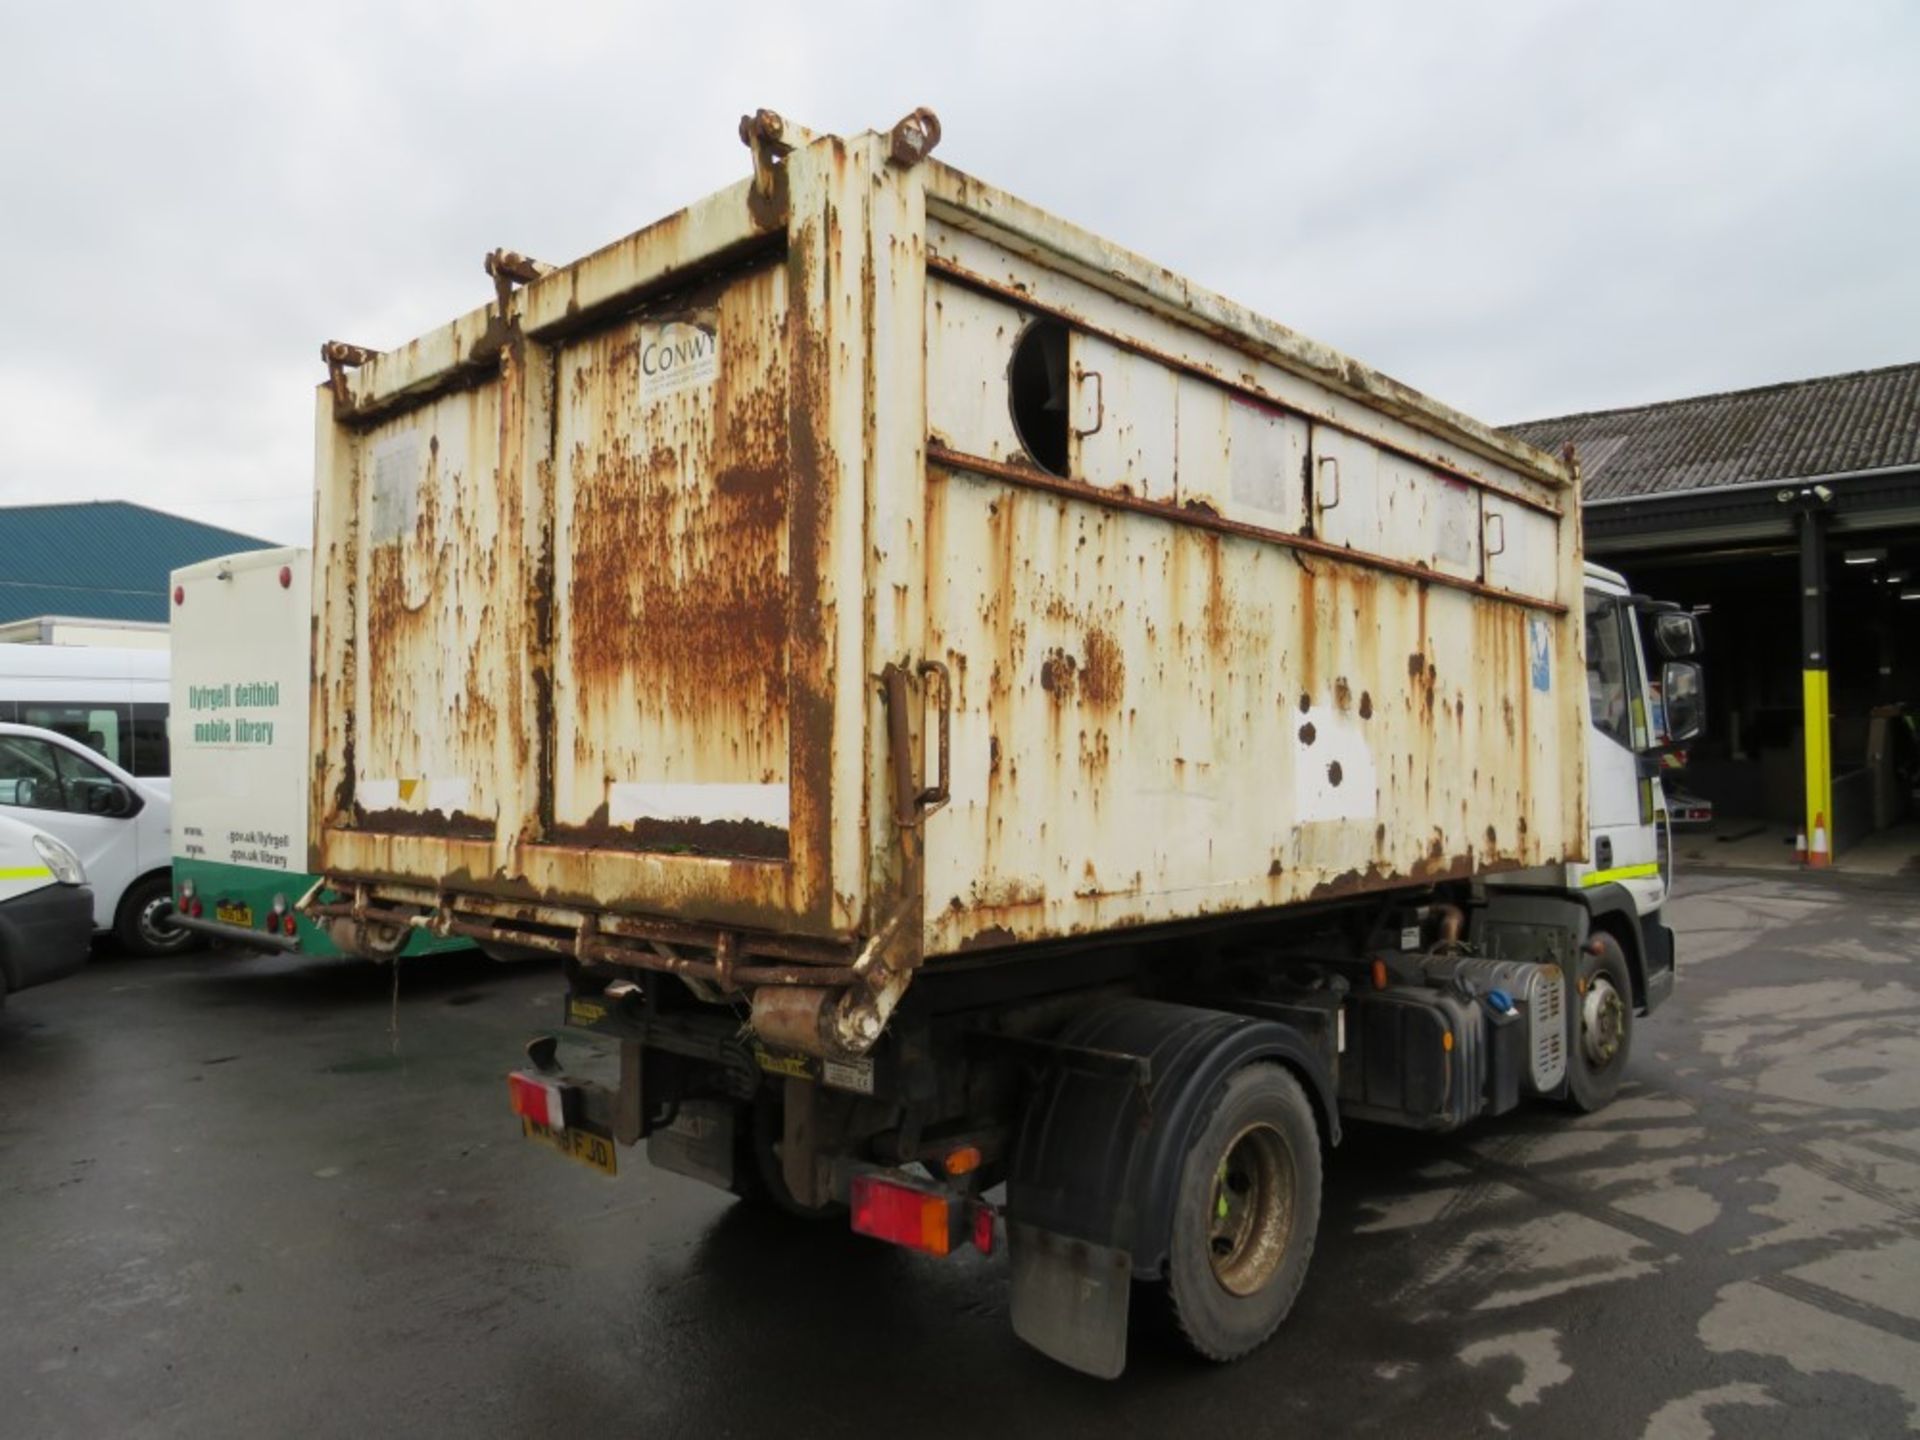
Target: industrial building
pixel 97 570
pixel 1789 516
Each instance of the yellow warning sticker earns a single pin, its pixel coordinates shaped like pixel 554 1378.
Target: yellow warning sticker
pixel 795 1066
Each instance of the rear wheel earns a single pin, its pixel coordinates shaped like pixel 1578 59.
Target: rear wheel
pixel 1245 1214
pixel 1603 1024
pixel 141 925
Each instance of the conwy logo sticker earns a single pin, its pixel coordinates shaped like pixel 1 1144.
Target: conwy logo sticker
pixel 679 354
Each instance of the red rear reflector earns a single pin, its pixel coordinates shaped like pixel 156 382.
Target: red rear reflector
pixel 983 1227
pixel 888 1210
pixel 179 595
pixel 537 1100
pixel 286 578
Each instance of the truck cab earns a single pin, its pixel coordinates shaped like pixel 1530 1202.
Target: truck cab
pixel 1627 876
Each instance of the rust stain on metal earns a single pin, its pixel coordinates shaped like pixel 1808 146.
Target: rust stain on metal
pixel 1103 679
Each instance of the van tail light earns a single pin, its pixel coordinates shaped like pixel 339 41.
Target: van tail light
pixel 195 908
pixel 902 1213
pixel 539 1100
pixel 287 926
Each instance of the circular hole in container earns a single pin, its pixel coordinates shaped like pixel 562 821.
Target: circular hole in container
pixel 1037 393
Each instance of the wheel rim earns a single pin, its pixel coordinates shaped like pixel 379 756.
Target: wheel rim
pixel 1250 1215
pixel 154 931
pixel 1603 1021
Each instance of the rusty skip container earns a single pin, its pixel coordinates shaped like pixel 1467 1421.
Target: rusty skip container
pixel 862 566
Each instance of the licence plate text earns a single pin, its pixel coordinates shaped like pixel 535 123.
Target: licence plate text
pixel 576 1144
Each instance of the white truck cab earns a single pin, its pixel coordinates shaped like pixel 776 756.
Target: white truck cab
pixel 1627 876
pixel 118 823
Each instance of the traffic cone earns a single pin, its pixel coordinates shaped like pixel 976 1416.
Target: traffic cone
pixel 1799 847
pixel 1819 856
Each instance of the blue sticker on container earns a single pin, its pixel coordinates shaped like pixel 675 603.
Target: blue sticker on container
pixel 1539 646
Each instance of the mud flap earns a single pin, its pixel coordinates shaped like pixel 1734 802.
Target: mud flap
pixel 1070 1299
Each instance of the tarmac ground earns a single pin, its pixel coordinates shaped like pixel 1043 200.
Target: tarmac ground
pixel 261 1196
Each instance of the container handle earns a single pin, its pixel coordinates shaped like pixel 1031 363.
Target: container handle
pixel 936 795
pixel 913 801
pixel 1329 466
pixel 1099 413
pixel 1496 526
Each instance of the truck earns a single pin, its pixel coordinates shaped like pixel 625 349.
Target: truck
pixel 241 632
pixel 1011 748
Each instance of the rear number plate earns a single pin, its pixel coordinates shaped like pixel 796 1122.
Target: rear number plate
pixel 576 1144
pixel 234 915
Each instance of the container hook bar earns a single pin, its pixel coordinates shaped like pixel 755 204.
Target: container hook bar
pixel 913 138
pixel 509 268
pixel 765 134
pixel 340 357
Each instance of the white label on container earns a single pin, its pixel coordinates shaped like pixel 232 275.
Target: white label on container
pixel 628 801
pixel 854 1075
pixel 377 794
pixel 449 794
pixel 1333 770
pixel 395 503
pixel 679 354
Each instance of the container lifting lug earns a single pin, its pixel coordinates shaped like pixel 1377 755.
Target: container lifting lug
pixel 765 134
pixel 913 138
pixel 509 268
pixel 339 358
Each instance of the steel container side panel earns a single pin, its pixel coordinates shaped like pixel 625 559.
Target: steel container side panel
pixel 671 666
pixel 433 655
pixel 1154 721
pixel 1373 500
pixel 970 341
pixel 1522 548
pixel 1046 248
pixel 1156 717
pixel 1021 283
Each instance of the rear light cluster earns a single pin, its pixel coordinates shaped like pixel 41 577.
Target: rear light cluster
pixel 539 1100
pixel 918 1217
pixel 190 902
pixel 280 918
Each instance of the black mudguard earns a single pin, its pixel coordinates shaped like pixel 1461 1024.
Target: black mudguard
pixel 1096 1161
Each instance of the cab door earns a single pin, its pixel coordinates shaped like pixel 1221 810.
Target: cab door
pixel 1623 803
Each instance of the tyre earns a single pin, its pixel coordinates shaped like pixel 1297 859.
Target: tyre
pixel 140 923
pixel 757 1176
pixel 1245 1214
pixel 1602 1024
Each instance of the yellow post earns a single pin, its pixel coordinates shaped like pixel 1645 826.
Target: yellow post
pixel 1819 748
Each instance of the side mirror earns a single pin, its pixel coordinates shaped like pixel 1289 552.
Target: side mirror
pixel 1683 699
pixel 1677 634
pixel 112 800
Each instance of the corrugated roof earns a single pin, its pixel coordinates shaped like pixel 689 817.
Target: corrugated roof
pixel 1867 420
pixel 104 559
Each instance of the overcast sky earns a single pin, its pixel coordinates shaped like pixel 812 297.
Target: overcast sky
pixel 1524 209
